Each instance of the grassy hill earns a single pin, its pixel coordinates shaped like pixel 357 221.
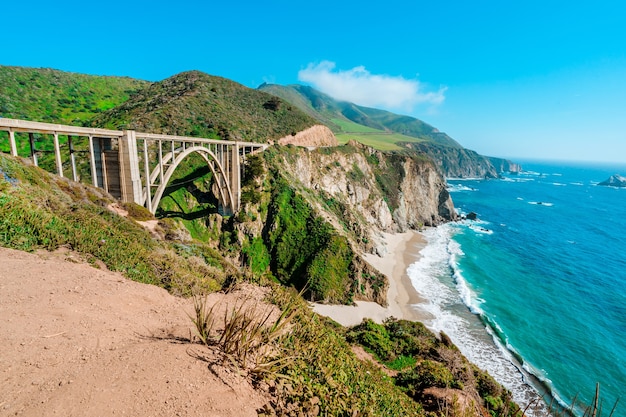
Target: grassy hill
pixel 47 95
pixel 378 128
pixel 200 105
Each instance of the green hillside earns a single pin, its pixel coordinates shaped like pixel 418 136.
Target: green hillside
pixel 47 95
pixel 350 121
pixel 200 105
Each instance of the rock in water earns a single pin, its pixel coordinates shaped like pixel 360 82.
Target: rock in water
pixel 614 181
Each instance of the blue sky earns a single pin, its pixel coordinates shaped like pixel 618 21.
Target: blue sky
pixel 534 79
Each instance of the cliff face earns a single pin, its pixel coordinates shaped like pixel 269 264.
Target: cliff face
pixel 424 199
pixel 309 214
pixel 504 165
pixel 368 191
pixel 463 163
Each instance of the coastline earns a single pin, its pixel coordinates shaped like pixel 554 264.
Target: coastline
pixel 403 249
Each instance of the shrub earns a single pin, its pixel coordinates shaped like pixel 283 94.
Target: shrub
pixel 426 374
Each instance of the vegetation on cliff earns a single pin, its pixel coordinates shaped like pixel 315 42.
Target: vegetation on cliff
pixel 47 95
pixel 200 105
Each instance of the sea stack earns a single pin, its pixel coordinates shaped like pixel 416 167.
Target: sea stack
pixel 614 181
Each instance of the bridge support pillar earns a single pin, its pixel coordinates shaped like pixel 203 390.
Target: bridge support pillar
pixel 130 179
pixel 235 180
pixel 12 143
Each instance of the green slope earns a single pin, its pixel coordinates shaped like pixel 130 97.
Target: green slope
pixel 197 104
pixel 48 95
pixel 378 128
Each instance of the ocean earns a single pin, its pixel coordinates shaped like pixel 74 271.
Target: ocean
pixel 534 290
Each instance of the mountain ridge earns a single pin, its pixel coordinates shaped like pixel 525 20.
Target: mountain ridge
pixel 386 130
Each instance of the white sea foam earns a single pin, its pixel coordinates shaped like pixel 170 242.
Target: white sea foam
pixel 481 230
pixel 517 179
pixel 541 203
pixel 464 179
pixel 438 263
pixel 455 188
pixel 558 184
pixel 530 173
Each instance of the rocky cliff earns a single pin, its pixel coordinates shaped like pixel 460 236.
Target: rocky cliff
pixel 504 165
pixel 369 191
pixel 463 163
pixel 310 213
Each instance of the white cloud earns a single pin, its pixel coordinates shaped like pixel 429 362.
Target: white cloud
pixel 359 86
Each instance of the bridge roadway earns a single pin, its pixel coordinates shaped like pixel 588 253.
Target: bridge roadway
pixel 135 166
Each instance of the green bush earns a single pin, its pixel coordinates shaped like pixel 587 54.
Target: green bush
pixel 375 338
pixel 256 256
pixel 426 374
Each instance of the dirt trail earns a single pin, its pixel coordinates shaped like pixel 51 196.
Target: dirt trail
pixel 79 341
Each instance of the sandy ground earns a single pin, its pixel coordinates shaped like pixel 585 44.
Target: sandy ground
pixel 78 341
pixel 81 341
pixel 402 250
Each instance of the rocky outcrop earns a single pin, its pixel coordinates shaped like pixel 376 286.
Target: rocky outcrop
pixel 423 198
pixel 504 165
pixel 367 191
pixel 455 162
pixel 317 135
pixel 614 181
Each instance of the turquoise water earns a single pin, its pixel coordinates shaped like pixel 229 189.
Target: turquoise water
pixel 537 286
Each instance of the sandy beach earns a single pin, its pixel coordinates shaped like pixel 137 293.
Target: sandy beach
pixel 402 250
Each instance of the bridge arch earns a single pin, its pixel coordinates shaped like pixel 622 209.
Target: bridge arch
pixel 226 196
pixel 115 159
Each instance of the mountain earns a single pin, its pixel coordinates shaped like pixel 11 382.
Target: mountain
pixel 197 104
pixel 48 95
pixel 347 118
pixel 388 131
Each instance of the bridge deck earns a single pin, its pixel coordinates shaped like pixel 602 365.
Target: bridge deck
pixel 120 168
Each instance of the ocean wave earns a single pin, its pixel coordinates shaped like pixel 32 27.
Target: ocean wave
pixel 517 179
pixel 541 203
pixel 481 230
pixel 464 179
pixel 440 263
pixel 531 173
pixel 477 226
pixel 455 188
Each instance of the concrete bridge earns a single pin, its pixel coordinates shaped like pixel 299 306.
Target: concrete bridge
pixel 132 166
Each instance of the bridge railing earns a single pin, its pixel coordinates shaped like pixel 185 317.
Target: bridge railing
pixel 114 158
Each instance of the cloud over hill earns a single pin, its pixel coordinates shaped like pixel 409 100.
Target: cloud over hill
pixel 360 86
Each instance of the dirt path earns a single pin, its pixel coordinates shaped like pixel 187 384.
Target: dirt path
pixel 78 341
